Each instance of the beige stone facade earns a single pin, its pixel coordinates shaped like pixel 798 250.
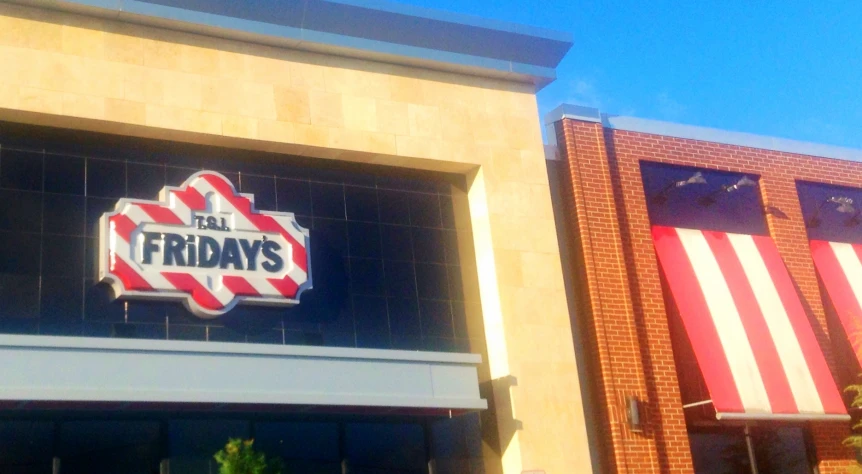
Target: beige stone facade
pixel 78 72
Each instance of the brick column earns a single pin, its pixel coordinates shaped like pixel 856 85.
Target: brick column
pixel 787 228
pixel 625 319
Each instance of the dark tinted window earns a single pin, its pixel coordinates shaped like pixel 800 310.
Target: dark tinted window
pixel 384 256
pixel 194 442
pixel 25 447
pixel 304 447
pixel 107 447
pixel 777 450
pixel 385 448
pixel 698 198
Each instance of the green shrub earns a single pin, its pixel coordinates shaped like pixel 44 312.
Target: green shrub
pixel 855 440
pixel 239 457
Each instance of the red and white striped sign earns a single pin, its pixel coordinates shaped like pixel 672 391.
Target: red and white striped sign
pixel 840 269
pixel 747 326
pixel 205 244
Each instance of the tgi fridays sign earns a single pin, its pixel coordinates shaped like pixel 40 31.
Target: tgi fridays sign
pixel 205 244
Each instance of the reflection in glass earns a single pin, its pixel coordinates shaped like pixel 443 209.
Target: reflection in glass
pixel 778 450
pixel 109 447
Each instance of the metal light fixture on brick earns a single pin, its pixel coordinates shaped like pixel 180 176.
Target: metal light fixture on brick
pixel 845 206
pixel 661 197
pixel 712 197
pixel 633 414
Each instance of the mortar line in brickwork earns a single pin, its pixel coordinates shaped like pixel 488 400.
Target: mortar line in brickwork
pixel 578 200
pixel 617 434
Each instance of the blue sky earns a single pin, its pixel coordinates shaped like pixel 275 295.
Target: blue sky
pixel 790 68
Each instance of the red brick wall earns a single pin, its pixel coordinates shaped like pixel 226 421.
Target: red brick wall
pixel 624 310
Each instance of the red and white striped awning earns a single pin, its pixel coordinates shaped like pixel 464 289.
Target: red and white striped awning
pixel 749 332
pixel 840 268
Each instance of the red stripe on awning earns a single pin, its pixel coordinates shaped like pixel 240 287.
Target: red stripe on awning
pixel 845 300
pixel 775 381
pixel 701 331
pixel 747 326
pixel 832 401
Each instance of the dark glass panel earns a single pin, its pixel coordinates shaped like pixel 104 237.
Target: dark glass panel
pixel 332 232
pixel 327 200
pixel 226 334
pixel 106 178
pixel 193 442
pixel 370 314
pixel 306 222
pixel 99 304
pixel 361 204
pixel 425 210
pixel 339 339
pixel 436 318
pixel 263 189
pixel 25 447
pixel 364 239
pixel 394 207
pixel 96 329
pixel 400 279
pixel 20 211
pixel 450 244
pixel 404 317
pixel 63 256
pixel 442 344
pixel 91 263
pixel 64 214
pixel 95 208
pixel 457 444
pixel 459 318
pixel 62 298
pixel 108 447
pixel 19 326
pixel 428 245
pixel 293 196
pixel 141 331
pixel 456 283
pixel 178 314
pixel 397 242
pixel 19 253
pixel 432 281
pixel 181 332
pixel 69 327
pixel 145 181
pixel 20 296
pixel 393 181
pixel 21 170
pixel 298 441
pixel 272 336
pixel 373 339
pixel 366 276
pixel 147 311
pixel 407 343
pixel 705 205
pixel 777 450
pixel 396 447
pixel 447 212
pixel 325 315
pixel 175 176
pixel 64 174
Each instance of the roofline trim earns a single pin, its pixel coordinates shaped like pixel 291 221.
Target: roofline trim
pixel 240 29
pixel 706 134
